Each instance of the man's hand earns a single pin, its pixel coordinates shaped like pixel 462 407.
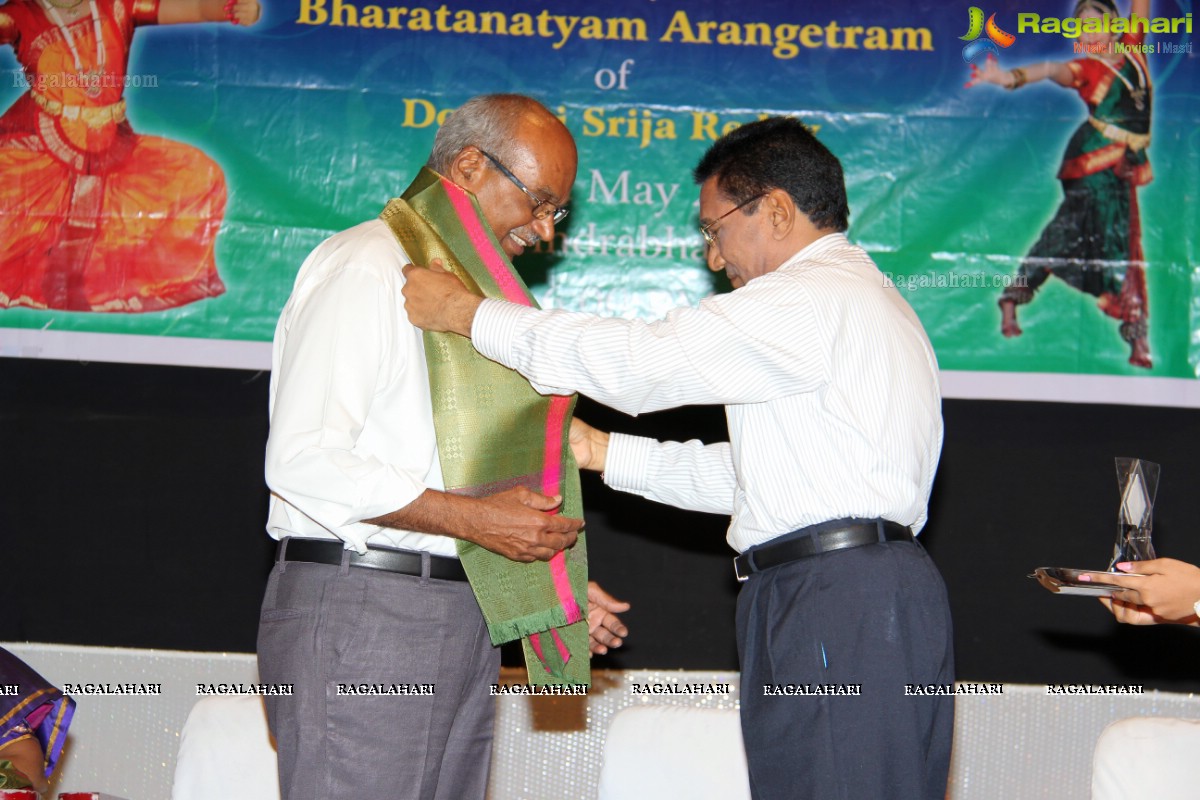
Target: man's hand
pixel 605 629
pixel 589 446
pixel 436 300
pixel 1164 591
pixel 515 523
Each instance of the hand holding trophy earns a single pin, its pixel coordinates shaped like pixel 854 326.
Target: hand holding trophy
pixel 1137 481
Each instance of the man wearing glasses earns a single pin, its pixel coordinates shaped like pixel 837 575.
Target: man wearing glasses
pixel 831 393
pixel 368 613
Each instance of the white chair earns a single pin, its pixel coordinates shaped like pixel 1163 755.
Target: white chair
pixel 674 752
pixel 225 752
pixel 1147 758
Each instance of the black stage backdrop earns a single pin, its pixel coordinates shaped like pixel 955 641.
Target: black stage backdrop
pixel 133 504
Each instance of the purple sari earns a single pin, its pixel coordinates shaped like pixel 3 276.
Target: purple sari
pixel 29 706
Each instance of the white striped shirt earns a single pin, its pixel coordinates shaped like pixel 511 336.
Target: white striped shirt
pixel 828 380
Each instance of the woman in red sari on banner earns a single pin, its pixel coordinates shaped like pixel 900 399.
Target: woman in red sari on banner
pixel 1094 241
pixel 94 217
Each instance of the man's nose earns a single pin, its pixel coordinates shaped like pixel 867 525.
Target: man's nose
pixel 544 227
pixel 713 256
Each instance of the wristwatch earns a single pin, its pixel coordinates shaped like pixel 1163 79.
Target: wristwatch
pixel 1196 608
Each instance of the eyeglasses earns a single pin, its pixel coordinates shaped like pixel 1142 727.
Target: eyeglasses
pixel 710 236
pixel 541 208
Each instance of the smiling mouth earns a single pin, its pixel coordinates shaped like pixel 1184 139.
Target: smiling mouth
pixel 520 241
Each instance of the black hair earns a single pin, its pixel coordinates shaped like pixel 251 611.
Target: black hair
pixel 1100 5
pixel 779 153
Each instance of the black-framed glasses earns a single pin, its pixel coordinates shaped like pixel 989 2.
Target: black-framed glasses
pixel 541 208
pixel 710 235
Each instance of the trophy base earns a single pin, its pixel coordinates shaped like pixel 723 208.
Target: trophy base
pixel 1061 580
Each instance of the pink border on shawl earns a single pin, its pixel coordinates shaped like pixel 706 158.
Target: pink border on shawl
pixel 499 271
pixel 551 485
pixel 552 471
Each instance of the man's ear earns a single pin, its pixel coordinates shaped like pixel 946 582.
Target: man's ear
pixel 467 167
pixel 781 212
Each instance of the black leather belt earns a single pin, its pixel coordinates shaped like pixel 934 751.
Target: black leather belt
pixel 824 538
pixel 315 551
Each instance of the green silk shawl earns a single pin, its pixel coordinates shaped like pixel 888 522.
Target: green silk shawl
pixel 494 431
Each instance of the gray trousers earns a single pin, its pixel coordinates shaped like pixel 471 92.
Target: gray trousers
pixel 339 633
pixel 874 617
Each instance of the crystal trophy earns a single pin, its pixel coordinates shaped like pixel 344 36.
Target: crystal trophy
pixel 1137 481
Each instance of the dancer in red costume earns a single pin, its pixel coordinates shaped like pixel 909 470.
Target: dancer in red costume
pixel 1094 241
pixel 94 217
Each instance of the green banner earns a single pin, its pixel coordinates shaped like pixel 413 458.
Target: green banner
pixel 246 146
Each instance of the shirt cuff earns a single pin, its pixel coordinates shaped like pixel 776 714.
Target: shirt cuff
pixel 627 463
pixel 494 329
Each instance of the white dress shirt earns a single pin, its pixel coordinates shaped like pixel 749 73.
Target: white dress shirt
pixel 829 383
pixel 352 433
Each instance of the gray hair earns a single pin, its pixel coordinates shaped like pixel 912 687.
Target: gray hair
pixel 488 122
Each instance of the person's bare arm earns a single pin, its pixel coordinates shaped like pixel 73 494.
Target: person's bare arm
pixel 1016 77
pixel 27 757
pixel 1164 590
pixel 243 12
pixel 514 523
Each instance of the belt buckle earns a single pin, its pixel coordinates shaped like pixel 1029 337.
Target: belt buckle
pixel 737 572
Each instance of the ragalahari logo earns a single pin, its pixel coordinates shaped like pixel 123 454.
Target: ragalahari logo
pixel 976 27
